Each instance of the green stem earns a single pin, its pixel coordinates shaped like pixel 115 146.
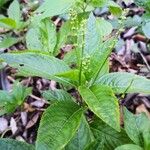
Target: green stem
pixel 81 61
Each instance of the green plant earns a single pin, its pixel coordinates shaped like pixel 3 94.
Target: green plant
pixel 65 124
pixel 9 101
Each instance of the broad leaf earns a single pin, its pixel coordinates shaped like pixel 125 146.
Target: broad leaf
pixel 31 63
pixel 72 77
pixel 122 82
pixel 14 11
pixel 82 138
pixel 129 147
pixel 51 8
pixel 57 95
pixel 58 125
pixel 106 137
pixel 132 127
pixel 10 144
pixel 102 101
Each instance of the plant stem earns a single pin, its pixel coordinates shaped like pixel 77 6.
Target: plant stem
pixel 81 61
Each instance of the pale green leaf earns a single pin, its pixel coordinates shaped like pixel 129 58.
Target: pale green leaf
pixel 51 8
pixel 14 11
pixel 122 82
pixel 33 39
pixel 42 37
pixel 82 138
pixel 146 29
pixel 8 41
pixel 104 27
pixel 102 101
pixel 31 63
pixel 58 125
pixel 10 144
pixel 106 137
pixel 92 38
pixel 129 147
pixel 48 35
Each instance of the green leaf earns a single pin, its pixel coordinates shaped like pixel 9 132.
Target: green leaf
pixel 114 8
pixel 10 144
pixel 98 3
pixel 99 61
pixel 129 147
pixel 14 11
pixel 96 30
pixel 104 27
pixel 57 95
pixel 146 29
pixel 102 101
pixel 2 2
pixel 122 82
pixel 106 137
pixel 146 136
pixel 8 41
pixel 92 38
pixel 11 100
pixel 42 37
pixel 51 8
pixel 143 3
pixel 31 63
pixel 72 77
pixel 82 138
pixel 8 23
pixel 48 34
pixel 58 125
pixel 33 39
pixel 132 128
pixel 70 58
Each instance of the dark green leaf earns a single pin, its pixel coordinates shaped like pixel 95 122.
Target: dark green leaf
pixel 82 138
pixel 10 144
pixel 106 137
pixel 58 125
